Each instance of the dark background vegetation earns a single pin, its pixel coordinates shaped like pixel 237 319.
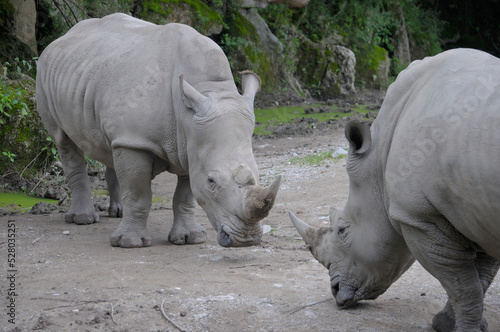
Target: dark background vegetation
pixel 370 28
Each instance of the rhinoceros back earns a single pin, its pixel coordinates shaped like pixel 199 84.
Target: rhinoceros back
pixel 113 82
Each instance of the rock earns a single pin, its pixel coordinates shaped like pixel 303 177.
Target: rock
pixel 24 23
pixel 339 152
pixel 400 40
pixel 44 208
pixel 345 75
pixel 372 66
pixel 269 41
pixel 328 71
pixel 382 78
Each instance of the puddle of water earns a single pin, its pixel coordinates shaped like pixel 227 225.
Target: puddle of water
pixel 22 201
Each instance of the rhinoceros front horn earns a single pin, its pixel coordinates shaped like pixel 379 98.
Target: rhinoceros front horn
pixel 318 240
pixel 306 231
pixel 259 200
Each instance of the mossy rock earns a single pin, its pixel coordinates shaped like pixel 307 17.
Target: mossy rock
pixel 372 66
pixel 324 70
pixel 194 13
pixel 245 50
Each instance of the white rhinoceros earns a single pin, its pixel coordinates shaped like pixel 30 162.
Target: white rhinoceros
pixel 423 184
pixel 117 89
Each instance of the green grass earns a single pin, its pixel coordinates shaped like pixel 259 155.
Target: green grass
pixel 316 159
pixel 22 202
pixel 267 118
pixel 160 200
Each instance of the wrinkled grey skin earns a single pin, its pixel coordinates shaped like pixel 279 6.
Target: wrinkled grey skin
pixel 117 89
pixel 423 184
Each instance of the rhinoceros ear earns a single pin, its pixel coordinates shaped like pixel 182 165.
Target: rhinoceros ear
pixel 190 96
pixel 335 215
pixel 359 136
pixel 250 84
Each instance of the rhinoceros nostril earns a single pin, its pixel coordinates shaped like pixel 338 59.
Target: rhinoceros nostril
pixel 335 289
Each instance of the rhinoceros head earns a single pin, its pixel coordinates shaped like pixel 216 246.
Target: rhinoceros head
pixel 223 173
pixel 362 251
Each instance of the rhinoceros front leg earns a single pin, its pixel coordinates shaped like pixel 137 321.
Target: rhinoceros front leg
pixel 185 229
pixel 449 257
pixel 487 268
pixel 115 209
pixel 134 172
pixel 82 210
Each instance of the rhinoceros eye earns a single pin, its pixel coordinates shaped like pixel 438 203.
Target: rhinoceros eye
pixel 211 181
pixel 342 230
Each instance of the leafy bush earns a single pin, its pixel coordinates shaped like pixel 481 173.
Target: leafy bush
pixel 24 143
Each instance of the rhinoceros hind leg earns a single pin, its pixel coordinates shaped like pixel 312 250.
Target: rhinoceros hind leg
pixel 115 209
pixel 133 171
pixel 82 210
pixel 185 229
pixel 452 261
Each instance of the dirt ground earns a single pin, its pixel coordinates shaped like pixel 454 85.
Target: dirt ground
pixel 69 278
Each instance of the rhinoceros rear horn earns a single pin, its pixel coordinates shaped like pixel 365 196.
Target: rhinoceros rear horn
pixel 250 84
pixel 190 96
pixel 259 201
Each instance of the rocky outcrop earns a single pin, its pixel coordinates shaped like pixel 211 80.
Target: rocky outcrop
pixel 401 41
pixel 24 23
pixel 372 66
pixel 326 70
pixel 342 77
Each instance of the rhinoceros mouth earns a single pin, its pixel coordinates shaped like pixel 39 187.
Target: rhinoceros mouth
pixel 227 237
pixel 346 296
pixel 223 238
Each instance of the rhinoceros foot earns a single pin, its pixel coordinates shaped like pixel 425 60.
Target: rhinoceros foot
pixel 187 234
pixel 81 218
pixel 127 238
pixel 115 210
pixel 443 321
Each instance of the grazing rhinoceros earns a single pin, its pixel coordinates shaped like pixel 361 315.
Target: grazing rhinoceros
pixel 117 89
pixel 423 184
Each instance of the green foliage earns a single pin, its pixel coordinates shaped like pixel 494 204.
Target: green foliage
pixel 23 142
pixel 201 16
pixel 6 14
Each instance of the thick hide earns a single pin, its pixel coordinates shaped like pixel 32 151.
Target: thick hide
pixel 423 184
